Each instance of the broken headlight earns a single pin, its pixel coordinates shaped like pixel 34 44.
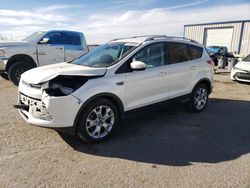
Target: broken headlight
pixel 65 85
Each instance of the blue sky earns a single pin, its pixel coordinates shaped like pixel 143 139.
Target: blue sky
pixel 102 20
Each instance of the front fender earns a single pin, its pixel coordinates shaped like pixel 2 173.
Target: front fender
pixel 29 50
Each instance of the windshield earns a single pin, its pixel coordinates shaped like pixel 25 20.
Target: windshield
pixel 34 36
pixel 106 55
pixel 247 58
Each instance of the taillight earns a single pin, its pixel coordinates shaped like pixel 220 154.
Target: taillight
pixel 210 62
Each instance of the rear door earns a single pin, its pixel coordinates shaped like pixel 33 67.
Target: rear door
pixel 51 52
pixel 151 85
pixel 183 67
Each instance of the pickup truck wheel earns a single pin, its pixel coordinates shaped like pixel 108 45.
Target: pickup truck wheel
pixel 4 76
pixel 98 121
pixel 16 70
pixel 199 98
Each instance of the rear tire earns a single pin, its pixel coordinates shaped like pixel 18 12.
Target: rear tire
pixel 16 70
pixel 4 76
pixel 199 98
pixel 98 121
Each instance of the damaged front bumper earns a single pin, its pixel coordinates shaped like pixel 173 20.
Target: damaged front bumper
pixel 38 108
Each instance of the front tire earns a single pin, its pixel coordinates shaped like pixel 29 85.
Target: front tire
pixel 199 98
pixel 98 121
pixel 16 70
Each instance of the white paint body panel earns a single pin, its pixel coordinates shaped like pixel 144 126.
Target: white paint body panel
pixel 137 86
pixel 45 73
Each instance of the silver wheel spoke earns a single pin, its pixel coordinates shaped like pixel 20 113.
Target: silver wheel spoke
pixel 106 125
pixel 97 131
pixel 106 117
pixel 92 123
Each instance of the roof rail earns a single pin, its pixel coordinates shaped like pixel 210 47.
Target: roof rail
pixel 153 37
pixel 148 36
pixel 170 37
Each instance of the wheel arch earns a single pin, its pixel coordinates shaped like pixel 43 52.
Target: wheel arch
pixel 206 82
pixel 109 96
pixel 20 57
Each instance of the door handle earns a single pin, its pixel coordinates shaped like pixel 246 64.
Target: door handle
pixel 194 67
pixel 41 53
pixel 59 48
pixel 162 74
pixel 119 83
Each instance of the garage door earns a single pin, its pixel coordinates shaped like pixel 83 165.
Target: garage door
pixel 219 37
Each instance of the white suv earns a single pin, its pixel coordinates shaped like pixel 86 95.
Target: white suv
pixel 88 96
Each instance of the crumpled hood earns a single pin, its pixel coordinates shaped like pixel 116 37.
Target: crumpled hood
pixel 13 43
pixel 46 73
pixel 244 65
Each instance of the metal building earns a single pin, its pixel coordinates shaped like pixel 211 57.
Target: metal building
pixel 233 34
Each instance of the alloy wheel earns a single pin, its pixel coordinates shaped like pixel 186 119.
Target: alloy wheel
pixel 100 121
pixel 200 99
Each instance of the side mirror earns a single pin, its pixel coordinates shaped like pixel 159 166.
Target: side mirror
pixel 44 41
pixel 138 65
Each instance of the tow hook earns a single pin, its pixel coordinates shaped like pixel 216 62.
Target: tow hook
pixel 21 106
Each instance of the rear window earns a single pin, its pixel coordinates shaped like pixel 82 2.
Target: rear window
pixel 71 39
pixel 195 51
pixel 177 52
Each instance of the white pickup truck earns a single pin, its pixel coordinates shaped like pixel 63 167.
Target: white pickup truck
pixel 38 49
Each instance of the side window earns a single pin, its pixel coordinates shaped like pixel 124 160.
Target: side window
pixel 152 55
pixel 54 38
pixel 71 39
pixel 177 52
pixel 195 51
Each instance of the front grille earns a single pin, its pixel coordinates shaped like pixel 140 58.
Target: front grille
pixel 243 76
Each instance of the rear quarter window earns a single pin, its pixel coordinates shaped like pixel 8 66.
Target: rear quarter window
pixel 177 52
pixel 195 51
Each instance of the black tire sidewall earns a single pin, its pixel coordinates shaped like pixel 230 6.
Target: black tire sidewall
pixel 81 130
pixel 192 105
pixel 12 70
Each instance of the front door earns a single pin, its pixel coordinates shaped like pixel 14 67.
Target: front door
pixel 52 51
pixel 150 85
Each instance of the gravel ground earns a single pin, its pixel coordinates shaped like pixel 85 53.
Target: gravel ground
pixel 169 148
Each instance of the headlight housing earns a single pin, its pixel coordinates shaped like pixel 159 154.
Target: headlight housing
pixel 2 53
pixel 65 85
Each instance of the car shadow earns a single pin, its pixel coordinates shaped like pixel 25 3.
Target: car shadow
pixel 178 138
